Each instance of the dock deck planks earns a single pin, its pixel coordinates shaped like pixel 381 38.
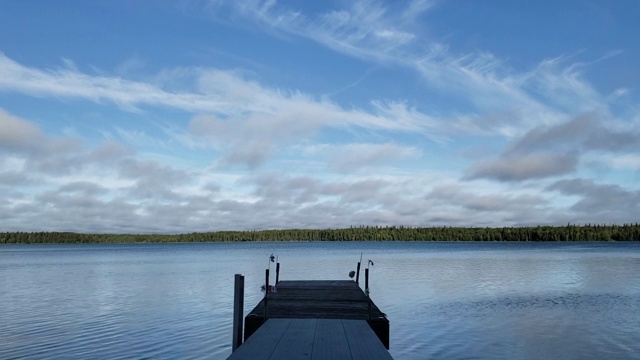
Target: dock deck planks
pixel 319 299
pixel 312 339
pixel 325 298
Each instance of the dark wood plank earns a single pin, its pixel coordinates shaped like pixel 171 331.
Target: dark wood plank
pixel 363 342
pixel 262 344
pixel 297 341
pixel 312 339
pixel 330 341
pixel 337 299
pixel 319 299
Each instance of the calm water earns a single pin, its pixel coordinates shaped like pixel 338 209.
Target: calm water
pixel 444 300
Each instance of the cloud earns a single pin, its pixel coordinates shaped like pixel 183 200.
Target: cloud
pixel 82 187
pixel 70 83
pixel 553 150
pixel 452 193
pixel 362 30
pixel 40 153
pixel 280 189
pixel 546 123
pixel 17 134
pixel 250 137
pixel 225 94
pixel 557 137
pixel 357 156
pixel 416 8
pixel 599 203
pixel 15 178
pixel 586 132
pixel 617 161
pixel 613 141
pixel 109 151
pixel 564 87
pixel 239 116
pixel 115 189
pixel 374 31
pixel 408 200
pixel 455 203
pixel 63 184
pixel 525 167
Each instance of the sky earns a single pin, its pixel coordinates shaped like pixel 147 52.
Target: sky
pixel 205 115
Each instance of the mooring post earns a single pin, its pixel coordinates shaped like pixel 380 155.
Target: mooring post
pixel 238 311
pixel 277 273
pixel 366 281
pixel 366 289
pixel 358 273
pixel 266 292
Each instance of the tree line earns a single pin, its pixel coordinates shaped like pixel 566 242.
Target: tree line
pixel 588 232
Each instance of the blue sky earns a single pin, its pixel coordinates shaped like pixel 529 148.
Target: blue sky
pixel 181 116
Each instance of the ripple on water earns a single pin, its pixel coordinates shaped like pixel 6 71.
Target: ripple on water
pixel 444 301
pixel 590 326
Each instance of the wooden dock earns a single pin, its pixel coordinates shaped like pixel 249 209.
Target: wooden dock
pixel 315 319
pixel 319 299
pixel 315 339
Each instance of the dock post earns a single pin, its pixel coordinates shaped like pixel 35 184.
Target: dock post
pixel 366 281
pixel 266 292
pixel 358 273
pixel 238 311
pixel 277 273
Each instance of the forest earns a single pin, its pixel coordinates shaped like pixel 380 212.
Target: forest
pixel 570 232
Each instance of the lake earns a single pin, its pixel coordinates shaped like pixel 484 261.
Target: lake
pixel 444 300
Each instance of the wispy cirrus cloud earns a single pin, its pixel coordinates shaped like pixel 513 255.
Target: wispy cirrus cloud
pixel 225 94
pixel 365 29
pixel 69 82
pixel 240 117
pixel 228 102
pixel 381 33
